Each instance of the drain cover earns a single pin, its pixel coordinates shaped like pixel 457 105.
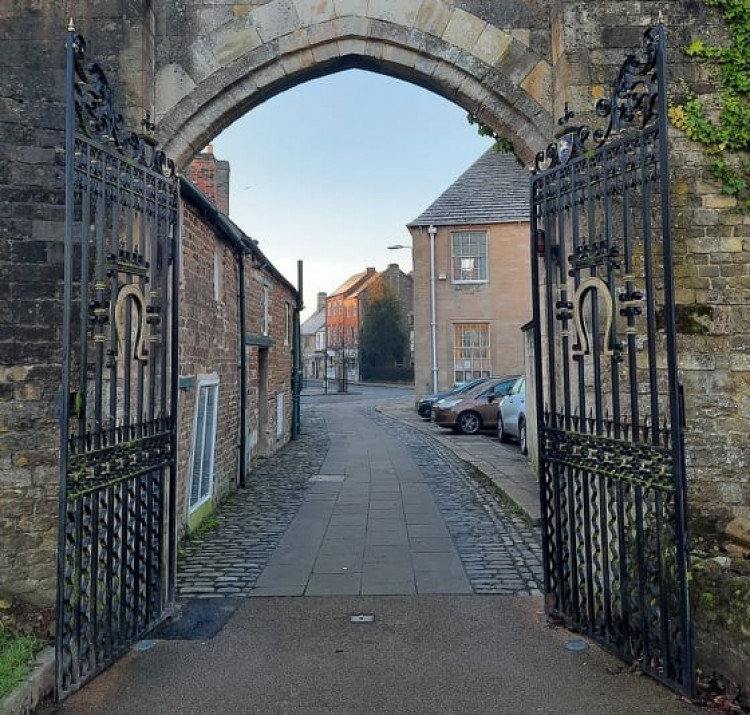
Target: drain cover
pixel 328 478
pixel 576 644
pixel 144 645
pixel 362 618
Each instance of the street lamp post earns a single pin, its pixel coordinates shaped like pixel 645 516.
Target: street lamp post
pixel 432 231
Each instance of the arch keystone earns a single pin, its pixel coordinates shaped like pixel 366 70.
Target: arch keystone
pixel 277 18
pixel 350 7
pixel 311 12
pixel 403 12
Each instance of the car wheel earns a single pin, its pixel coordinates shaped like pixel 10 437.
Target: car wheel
pixel 522 438
pixel 502 435
pixel 469 423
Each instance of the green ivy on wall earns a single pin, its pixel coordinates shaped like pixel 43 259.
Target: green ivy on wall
pixel 724 129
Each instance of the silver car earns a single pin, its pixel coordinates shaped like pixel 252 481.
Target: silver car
pixel 511 415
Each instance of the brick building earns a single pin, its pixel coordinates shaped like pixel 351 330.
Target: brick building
pixel 216 447
pixel 342 327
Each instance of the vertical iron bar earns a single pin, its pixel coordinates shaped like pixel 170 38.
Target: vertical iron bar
pixel 82 401
pixel 555 468
pixel 650 291
pixel 100 289
pixel 175 246
pixel 139 185
pixel 127 357
pixel 682 537
pixel 539 379
pixel 664 614
pixel 113 199
pixel 164 239
pixel 65 358
pixel 574 474
pixel 152 242
pixel 604 481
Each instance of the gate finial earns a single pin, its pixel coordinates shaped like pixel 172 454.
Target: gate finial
pixel 71 25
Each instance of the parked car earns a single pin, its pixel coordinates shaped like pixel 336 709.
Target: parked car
pixel 475 409
pixel 511 417
pixel 424 405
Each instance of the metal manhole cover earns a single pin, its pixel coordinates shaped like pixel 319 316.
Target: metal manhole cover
pixel 576 644
pixel 362 618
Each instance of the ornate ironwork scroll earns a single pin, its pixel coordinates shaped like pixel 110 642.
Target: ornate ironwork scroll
pixel 116 549
pixel 611 453
pixel 632 103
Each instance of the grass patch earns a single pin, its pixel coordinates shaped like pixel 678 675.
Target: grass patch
pixel 16 657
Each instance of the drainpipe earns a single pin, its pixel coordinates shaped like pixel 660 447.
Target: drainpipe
pixel 433 320
pixel 243 369
pixel 297 357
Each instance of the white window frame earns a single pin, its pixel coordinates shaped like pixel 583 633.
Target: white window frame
pixel 210 382
pixel 475 365
pixel 279 415
pixel 218 275
pixel 288 325
pixel 266 308
pixel 457 239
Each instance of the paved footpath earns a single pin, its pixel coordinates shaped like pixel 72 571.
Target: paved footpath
pixel 390 541
pixel 362 505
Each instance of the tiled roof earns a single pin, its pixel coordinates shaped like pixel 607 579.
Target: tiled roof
pixel 314 323
pixel 494 189
pixel 351 283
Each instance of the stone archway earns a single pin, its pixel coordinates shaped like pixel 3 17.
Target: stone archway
pixel 231 66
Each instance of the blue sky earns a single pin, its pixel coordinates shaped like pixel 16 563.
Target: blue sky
pixel 331 171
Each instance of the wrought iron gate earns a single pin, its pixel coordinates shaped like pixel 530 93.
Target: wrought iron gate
pixel 608 402
pixel 116 549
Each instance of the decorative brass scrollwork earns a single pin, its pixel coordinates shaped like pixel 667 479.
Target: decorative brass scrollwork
pixel 596 286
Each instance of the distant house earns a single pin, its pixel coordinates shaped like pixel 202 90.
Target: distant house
pixel 477 231
pixel 344 316
pixel 342 327
pixel 313 337
pixel 400 287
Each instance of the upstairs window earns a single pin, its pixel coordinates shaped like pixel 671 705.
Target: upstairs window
pixel 266 309
pixel 469 256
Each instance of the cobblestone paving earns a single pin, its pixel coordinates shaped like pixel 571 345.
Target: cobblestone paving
pixel 501 552
pixel 228 560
